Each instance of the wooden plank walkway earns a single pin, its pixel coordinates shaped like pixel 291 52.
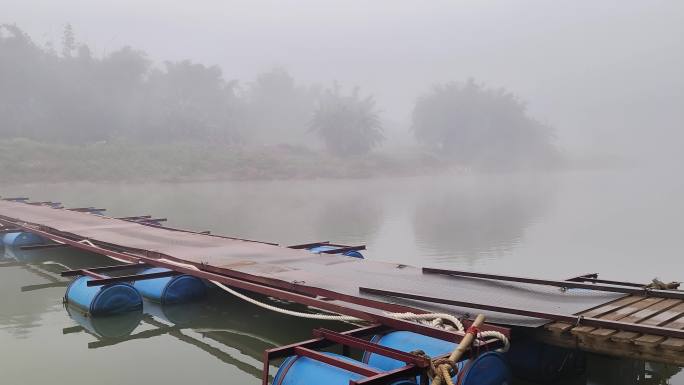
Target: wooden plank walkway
pixel 632 309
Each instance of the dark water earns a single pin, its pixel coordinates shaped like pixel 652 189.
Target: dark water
pixel 622 224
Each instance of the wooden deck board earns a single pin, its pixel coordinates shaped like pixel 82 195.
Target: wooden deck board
pixel 612 306
pixel 652 316
pixel 633 317
pixel 613 311
pixel 559 327
pixel 676 344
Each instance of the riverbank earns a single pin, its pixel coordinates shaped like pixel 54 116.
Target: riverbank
pixel 24 161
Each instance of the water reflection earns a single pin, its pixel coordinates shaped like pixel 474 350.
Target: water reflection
pixel 232 331
pixel 463 217
pixel 612 371
pixel 353 217
pixel 23 272
pixel 480 215
pixel 117 326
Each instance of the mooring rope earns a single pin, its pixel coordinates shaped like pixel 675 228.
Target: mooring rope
pixel 443 370
pixel 431 319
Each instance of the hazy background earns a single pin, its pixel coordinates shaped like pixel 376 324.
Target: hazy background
pixel 602 82
pixel 606 75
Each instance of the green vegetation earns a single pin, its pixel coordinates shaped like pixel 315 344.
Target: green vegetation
pixel 482 127
pixel 348 125
pixel 72 115
pixel 25 161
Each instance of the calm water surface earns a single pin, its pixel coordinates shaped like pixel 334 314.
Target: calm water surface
pixel 623 224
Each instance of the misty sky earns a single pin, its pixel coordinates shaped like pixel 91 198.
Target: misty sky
pixel 606 74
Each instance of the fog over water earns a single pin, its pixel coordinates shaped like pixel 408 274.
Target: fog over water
pixel 537 138
pixel 606 75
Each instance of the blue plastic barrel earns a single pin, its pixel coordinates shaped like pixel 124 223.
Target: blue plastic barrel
pixel 490 368
pixel 111 299
pixel 22 239
pixel 171 290
pixel 319 249
pixel 298 370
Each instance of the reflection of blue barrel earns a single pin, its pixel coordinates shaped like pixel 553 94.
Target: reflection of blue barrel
pixel 120 325
pixel 22 239
pixel 171 290
pixel 177 314
pixel 298 370
pixel 116 298
pixel 319 249
pixel 489 368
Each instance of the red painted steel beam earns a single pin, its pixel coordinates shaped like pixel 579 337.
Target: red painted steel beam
pixel 359 343
pixel 593 278
pixel 143 220
pixel 309 245
pixel 334 361
pixel 87 209
pixel 344 249
pixel 579 277
pixel 73 273
pixel 572 319
pixel 384 378
pixel 93 275
pixel 320 343
pixel 131 278
pixel 566 284
pixel 134 217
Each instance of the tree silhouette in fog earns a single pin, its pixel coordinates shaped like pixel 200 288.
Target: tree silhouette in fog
pixel 347 124
pixel 278 110
pixel 78 98
pixel 70 96
pixel 479 126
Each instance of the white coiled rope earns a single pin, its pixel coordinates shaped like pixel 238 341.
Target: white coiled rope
pixel 431 319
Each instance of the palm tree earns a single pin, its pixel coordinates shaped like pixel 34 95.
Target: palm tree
pixel 347 124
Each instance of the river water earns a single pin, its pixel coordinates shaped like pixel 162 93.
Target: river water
pixel 623 224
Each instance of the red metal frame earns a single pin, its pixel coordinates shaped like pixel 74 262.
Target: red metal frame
pixel 339 250
pixel 87 210
pixel 573 319
pixel 344 249
pixel 132 278
pixel 288 295
pixel 616 288
pixel 415 364
pixel 333 301
pixel 593 278
pixel 360 343
pixel 103 269
pixel 310 245
pixel 93 275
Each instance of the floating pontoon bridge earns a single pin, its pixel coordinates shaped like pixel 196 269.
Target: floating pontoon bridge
pixel 619 318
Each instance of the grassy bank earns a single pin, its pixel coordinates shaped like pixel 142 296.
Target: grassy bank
pixel 23 160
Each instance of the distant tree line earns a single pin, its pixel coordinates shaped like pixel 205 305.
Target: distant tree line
pixel 72 96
